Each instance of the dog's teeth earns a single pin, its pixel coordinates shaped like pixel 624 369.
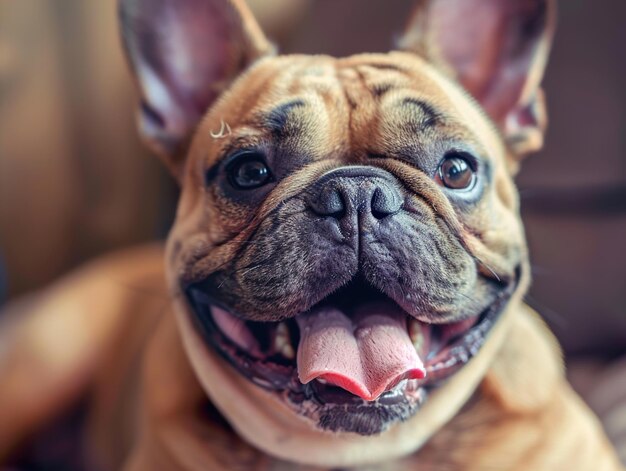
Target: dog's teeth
pixel 281 336
pixel 282 342
pixel 321 380
pixel 416 334
pixel 287 351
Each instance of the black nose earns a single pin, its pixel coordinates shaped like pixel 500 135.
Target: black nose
pixel 367 191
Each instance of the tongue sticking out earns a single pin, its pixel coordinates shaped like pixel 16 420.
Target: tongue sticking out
pixel 366 354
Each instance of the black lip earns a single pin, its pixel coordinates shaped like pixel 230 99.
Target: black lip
pixel 340 411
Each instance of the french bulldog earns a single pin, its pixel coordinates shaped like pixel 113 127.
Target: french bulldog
pixel 346 271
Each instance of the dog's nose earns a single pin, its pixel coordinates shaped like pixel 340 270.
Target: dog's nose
pixel 363 190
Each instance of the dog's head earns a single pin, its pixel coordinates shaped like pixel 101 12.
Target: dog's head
pixel 347 243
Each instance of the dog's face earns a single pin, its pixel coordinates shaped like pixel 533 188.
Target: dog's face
pixel 347 239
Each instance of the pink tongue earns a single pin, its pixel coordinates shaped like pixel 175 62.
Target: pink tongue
pixel 365 354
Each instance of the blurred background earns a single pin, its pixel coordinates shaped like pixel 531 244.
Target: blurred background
pixel 76 183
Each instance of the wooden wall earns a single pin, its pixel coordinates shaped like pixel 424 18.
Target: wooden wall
pixel 74 181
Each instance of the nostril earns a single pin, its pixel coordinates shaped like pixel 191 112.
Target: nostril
pixel 355 191
pixel 329 202
pixel 385 203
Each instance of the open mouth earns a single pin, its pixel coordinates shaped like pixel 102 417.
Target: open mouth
pixel 356 361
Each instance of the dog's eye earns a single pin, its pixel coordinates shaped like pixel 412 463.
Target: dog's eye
pixel 249 171
pixel 456 172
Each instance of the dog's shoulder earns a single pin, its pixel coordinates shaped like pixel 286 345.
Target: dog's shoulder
pixel 528 367
pixel 55 342
pixel 523 411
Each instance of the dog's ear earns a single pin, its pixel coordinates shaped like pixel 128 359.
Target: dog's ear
pixel 183 54
pixel 496 49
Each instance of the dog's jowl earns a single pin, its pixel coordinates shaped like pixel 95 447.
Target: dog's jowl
pixel 346 269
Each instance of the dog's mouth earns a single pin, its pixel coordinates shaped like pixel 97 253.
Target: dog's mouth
pixel 356 361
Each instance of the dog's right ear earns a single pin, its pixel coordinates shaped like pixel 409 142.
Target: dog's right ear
pixel 497 50
pixel 183 54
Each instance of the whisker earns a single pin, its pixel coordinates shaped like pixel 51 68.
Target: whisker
pixel 247 270
pixel 491 270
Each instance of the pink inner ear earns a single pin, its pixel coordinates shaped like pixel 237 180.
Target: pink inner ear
pixel 492 47
pixel 198 48
pixel 179 50
pixel 183 53
pixel 467 46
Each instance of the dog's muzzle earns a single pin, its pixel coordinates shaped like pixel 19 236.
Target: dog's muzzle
pixel 368 337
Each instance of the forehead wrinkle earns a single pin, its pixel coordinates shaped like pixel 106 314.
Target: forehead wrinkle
pixel 277 120
pixel 310 99
pixel 411 119
pixel 309 130
pixel 382 78
pixel 419 113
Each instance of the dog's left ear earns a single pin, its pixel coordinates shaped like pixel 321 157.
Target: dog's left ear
pixel 496 49
pixel 183 54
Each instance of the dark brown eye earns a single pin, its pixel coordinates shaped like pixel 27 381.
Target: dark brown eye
pixel 456 172
pixel 249 171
